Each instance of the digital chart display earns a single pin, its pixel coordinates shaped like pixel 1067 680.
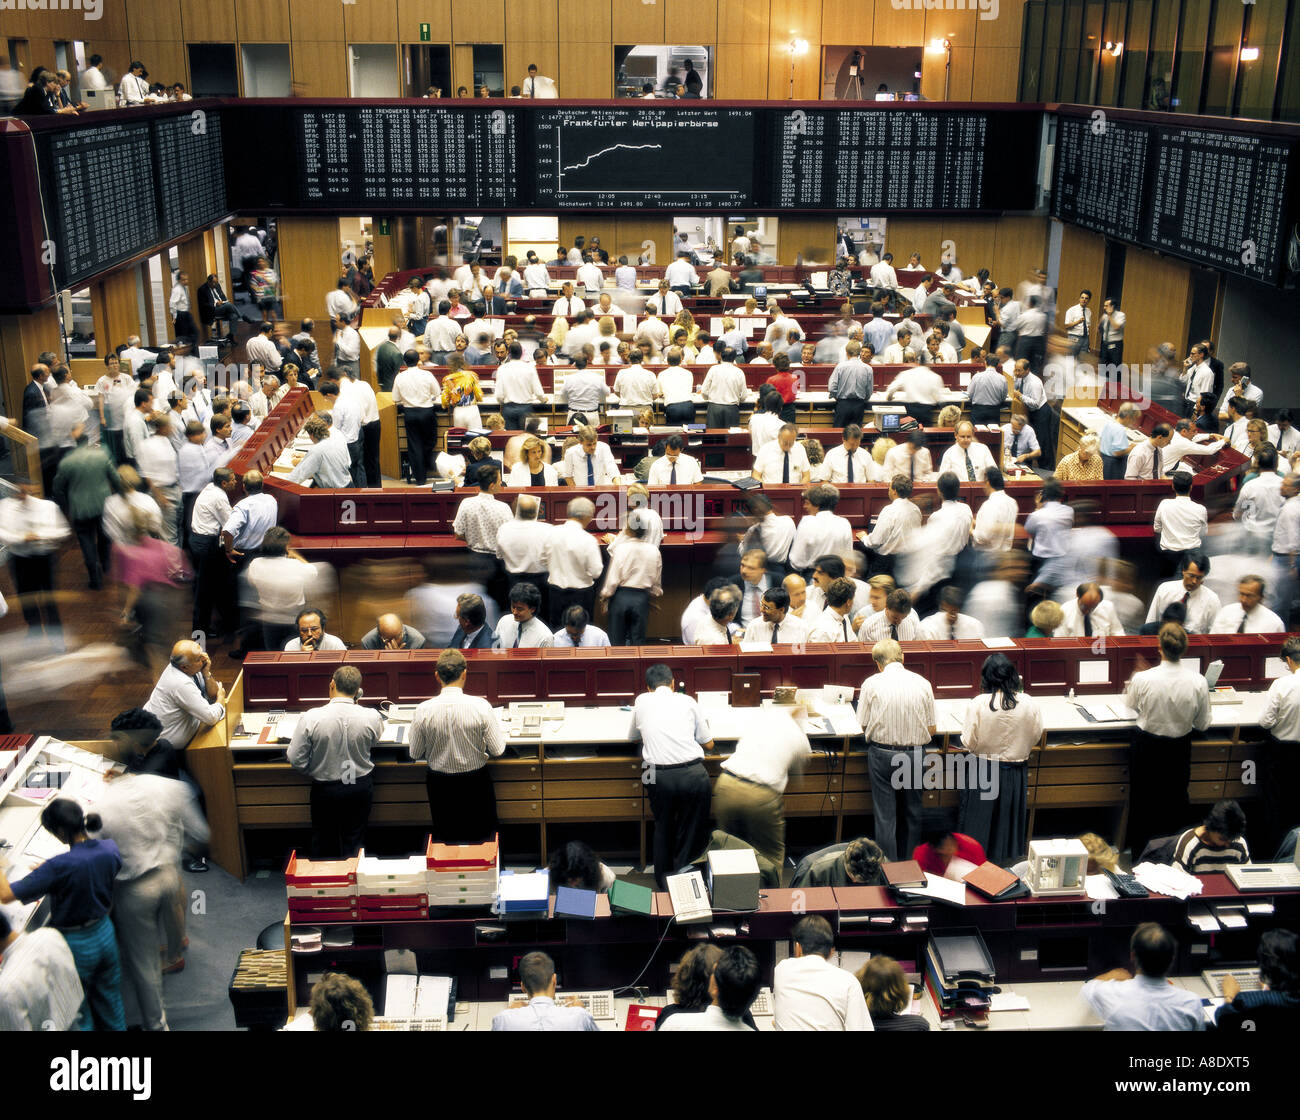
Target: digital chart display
pixel 646 159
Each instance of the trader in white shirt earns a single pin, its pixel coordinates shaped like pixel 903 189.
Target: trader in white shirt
pixel 784 461
pixel 896 712
pixel 1180 523
pixel 179 306
pixel 1247 615
pixel 1283 435
pixel 1260 500
pixel 578 633
pixel 537 975
pixel 1171 701
pixel 522 629
pixel 773 533
pixel 995 521
pixel 524 543
pixel 948 624
pixel 835 623
pixel 681 275
pixel 665 302
pixel 821 531
pixel 589 462
pixel 674 467
pixel 1202 604
pixel 1281 754
pixel 187 695
pixel 133 88
pixel 591 277
pixel 851 462
pixel 1078 323
pixel 537 280
pixel 809 993
pixel 1147 459
pixel 674 734
pixel 920 390
pixel 1198 377
pixel 776 626
pixel 260 348
pixel 1110 333
pixel 568 304
pixel 883 275
pixel 575 562
pixel 1089 615
pixel 968 458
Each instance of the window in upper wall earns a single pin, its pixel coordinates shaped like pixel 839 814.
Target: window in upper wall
pixel 489 70
pixel 1031 52
pixel 372 70
pixel 1189 65
pixel 426 70
pixel 643 71
pixel 213 70
pixel 1135 44
pixel 870 73
pixel 266 70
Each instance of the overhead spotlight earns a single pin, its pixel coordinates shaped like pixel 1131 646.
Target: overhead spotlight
pixel 1249 54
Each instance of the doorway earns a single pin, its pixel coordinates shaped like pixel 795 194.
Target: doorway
pixel 426 67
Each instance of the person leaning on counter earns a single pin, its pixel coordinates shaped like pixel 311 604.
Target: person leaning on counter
pixel 1170 700
pixel 458 733
pixel 332 746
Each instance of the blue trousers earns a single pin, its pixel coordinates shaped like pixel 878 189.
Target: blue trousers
pixel 100 970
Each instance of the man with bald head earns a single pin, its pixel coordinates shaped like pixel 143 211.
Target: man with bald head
pixel 252 517
pixel 187 696
pixel 797 588
pixel 1089 615
pixel 391 632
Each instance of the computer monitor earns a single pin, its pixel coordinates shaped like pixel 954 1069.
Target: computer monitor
pixel 99 99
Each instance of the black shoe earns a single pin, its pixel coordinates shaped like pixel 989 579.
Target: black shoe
pixel 197 864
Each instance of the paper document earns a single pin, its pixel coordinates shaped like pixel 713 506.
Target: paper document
pixel 399 997
pixel 1094 672
pixel 1008 1001
pixel 999 643
pixel 1201 919
pixel 1099 887
pixel 936 886
pixel 432 997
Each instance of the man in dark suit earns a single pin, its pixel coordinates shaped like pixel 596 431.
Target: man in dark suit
pixel 756 577
pixel 36 399
pixel 472 630
pixel 494 304
pixel 388 360
pixel 215 305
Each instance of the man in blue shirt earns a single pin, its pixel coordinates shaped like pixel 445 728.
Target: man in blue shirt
pixel 541 1012
pixel 1145 1001
pixel 1115 443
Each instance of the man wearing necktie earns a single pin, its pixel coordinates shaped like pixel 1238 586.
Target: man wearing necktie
pixel 752 582
pixel 785 468
pixel 525 600
pixel 591 469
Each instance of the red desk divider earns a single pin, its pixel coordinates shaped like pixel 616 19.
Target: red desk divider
pixel 953 668
pixel 1051 665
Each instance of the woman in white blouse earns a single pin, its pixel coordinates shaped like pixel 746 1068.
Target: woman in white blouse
pixel 1002 726
pixel 533 466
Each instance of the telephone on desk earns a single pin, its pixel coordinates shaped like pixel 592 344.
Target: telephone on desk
pixel 526 718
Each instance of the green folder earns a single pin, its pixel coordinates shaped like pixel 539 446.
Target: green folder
pixel 629 898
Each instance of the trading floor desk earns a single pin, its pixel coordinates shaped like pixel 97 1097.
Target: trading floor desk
pixel 1031 941
pixel 584 773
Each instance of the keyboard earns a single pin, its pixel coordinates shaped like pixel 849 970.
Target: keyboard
pixel 380 1023
pixel 762 1004
pixel 1264 876
pixel 1247 979
pixel 599 1004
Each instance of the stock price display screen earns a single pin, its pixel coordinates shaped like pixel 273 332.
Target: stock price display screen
pixel 105 206
pixel 892 159
pixel 401 156
pixel 643 158
pixel 1220 198
pixel 191 175
pixel 1099 174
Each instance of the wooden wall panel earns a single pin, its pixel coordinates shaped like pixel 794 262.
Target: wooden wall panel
pixel 1022 245
pixel 412 13
pixel 262 21
pixel 586 70
pixel 848 21
pixel 635 22
pixel 740 71
pixel 1005 31
pixel 530 21
pixel 545 54
pixel 1083 265
pixel 807 73
pixel 634 232
pixel 153 20
pixel 814 238
pixel 462 67
pixel 309 265
pixel 478 21
pixel 974 240
pixel 165 60
pixel 1157 300
pixel 319 69
pixel 22 339
pixel 997 74
pixel 110 27
pixel 956 25
pixel 959 80
pixel 208 21
pixel 692 21
pixel 316 21
pixel 905 28
pixel 904 236
pixel 115 307
pixel 795 19
pixel 373 21
pixel 586 21
pixel 742 21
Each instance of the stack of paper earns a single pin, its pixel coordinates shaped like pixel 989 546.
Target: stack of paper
pixel 1161 878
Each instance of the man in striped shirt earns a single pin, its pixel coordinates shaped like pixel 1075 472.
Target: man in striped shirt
pixel 896 711
pixel 1214 844
pixel 457 734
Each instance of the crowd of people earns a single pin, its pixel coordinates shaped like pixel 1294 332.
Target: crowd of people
pixel 51 90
